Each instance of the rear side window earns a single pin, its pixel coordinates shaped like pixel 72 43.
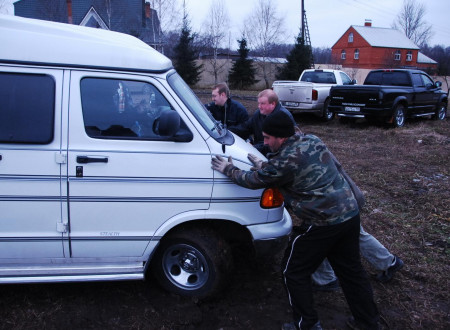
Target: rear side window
pixel 320 77
pixel 396 78
pixel 27 105
pixel 126 109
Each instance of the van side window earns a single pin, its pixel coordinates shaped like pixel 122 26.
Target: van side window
pixel 125 109
pixel 27 108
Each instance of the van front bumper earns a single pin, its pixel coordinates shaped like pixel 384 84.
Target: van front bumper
pixel 271 238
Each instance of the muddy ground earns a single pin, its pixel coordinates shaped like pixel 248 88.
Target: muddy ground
pixel 405 174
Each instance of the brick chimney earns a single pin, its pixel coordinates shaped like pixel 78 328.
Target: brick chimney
pixel 368 22
pixel 147 10
pixel 69 11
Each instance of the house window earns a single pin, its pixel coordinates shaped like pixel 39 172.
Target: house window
pixel 350 37
pixel 397 55
pixel 343 55
pixel 409 56
pixel 356 56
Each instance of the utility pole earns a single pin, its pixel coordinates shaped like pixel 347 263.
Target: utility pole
pixel 305 34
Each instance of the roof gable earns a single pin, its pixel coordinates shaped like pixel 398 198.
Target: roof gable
pixel 384 37
pixel 93 19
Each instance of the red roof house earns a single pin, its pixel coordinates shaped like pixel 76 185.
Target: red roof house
pixel 368 47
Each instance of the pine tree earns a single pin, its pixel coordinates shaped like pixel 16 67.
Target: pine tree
pixel 298 60
pixel 185 55
pixel 242 73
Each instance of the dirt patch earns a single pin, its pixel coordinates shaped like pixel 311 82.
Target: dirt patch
pixel 405 175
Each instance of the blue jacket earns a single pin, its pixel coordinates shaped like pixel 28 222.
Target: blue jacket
pixel 253 127
pixel 232 113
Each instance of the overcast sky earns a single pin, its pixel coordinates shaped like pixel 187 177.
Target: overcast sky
pixel 327 19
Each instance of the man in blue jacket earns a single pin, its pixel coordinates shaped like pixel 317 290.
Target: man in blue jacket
pixel 229 112
pixel 252 128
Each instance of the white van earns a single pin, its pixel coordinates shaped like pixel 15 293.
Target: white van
pixel 105 166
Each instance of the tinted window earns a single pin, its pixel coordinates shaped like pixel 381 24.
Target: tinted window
pixel 427 80
pixel 345 79
pixel 374 78
pixel 388 78
pixel 125 109
pixel 320 77
pixel 27 103
pixel 417 80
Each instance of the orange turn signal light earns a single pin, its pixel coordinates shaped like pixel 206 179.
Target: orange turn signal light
pixel 271 198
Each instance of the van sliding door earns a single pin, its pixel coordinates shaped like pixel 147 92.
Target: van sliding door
pixel 31 163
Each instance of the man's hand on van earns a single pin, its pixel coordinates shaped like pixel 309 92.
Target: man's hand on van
pixel 257 163
pixel 220 164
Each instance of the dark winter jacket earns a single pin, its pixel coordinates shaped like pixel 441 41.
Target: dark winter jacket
pixel 253 127
pixel 232 113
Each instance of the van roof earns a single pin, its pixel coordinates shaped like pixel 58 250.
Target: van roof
pixel 26 40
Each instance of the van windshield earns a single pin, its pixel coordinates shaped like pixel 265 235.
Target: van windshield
pixel 191 101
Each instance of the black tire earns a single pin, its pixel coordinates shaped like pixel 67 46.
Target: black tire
pixel 194 262
pixel 441 111
pixel 326 114
pixel 399 116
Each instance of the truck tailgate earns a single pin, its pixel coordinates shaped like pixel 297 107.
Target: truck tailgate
pixel 353 94
pixel 294 93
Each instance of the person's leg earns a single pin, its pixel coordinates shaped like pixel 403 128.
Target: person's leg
pixel 304 255
pixel 345 259
pixel 374 252
pixel 324 274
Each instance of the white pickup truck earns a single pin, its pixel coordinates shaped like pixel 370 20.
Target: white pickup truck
pixel 311 92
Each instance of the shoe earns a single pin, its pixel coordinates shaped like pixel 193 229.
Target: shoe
pixel 331 286
pixel 352 324
pixel 387 275
pixel 291 326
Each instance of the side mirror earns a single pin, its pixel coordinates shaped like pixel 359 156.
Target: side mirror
pixel 354 82
pixel 438 84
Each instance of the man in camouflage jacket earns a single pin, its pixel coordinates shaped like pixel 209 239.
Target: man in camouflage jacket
pixel 301 167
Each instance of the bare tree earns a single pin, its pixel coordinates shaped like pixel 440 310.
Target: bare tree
pixel 263 28
pixel 411 21
pixel 169 15
pixel 216 26
pixel 5 6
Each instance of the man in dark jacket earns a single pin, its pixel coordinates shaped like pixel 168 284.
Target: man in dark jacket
pixel 302 168
pixel 229 112
pixel 252 128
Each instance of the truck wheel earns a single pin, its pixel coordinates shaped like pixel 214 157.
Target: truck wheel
pixel 399 116
pixel 194 262
pixel 441 111
pixel 326 114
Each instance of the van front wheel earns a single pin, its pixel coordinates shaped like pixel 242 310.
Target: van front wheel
pixel 193 262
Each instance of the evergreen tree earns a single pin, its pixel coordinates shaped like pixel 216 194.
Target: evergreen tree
pixel 298 59
pixel 185 55
pixel 242 73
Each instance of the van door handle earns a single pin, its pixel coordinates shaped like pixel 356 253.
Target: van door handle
pixel 87 159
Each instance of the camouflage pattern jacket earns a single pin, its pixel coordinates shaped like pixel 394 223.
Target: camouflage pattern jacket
pixel 306 175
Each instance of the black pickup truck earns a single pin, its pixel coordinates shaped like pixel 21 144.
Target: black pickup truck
pixel 390 95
